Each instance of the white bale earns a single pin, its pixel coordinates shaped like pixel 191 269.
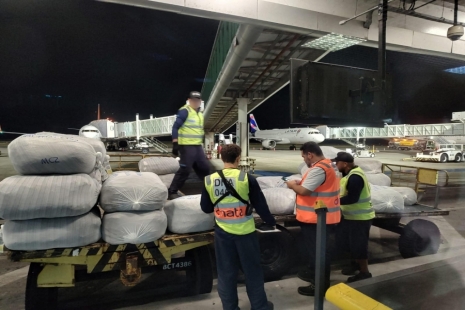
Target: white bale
pixel 43 234
pixel 51 196
pixel 281 201
pixel 302 168
pixel 409 195
pixel 167 179
pixel 330 152
pixel 133 191
pixel 369 165
pixel 275 181
pixel 185 215
pixel 36 155
pixel 386 200
pixel 133 227
pixel 378 179
pixel 159 165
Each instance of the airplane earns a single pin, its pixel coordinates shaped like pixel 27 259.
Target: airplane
pixel 293 136
pixel 90 131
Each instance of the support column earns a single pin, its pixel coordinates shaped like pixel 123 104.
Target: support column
pixel 243 133
pixel 209 141
pixel 137 127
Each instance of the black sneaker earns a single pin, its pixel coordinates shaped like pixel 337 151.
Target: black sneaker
pixel 351 269
pixel 359 276
pixel 306 275
pixel 307 290
pixel 270 305
pixel 173 196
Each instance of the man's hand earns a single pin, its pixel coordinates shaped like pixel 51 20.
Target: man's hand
pixel 175 149
pixel 292 183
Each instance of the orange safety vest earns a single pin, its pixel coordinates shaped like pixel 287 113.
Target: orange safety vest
pixel 326 194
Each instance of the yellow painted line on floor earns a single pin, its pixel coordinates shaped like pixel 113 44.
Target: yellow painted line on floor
pixel 347 298
pixel 13 276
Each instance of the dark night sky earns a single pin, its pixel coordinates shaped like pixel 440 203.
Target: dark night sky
pixel 133 60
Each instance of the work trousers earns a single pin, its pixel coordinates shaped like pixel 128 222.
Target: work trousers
pixel 191 157
pixel 232 252
pixel 309 234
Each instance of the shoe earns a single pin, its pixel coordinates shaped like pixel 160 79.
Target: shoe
pixel 306 275
pixel 307 290
pixel 270 305
pixel 359 276
pixel 173 196
pixel 351 269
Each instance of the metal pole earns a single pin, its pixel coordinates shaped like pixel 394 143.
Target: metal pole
pixel 382 18
pixel 320 271
pixel 242 125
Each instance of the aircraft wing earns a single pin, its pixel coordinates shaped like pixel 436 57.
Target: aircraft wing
pixel 263 139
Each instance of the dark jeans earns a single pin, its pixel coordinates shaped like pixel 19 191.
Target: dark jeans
pixel 233 251
pixel 309 234
pixel 192 157
pixel 353 236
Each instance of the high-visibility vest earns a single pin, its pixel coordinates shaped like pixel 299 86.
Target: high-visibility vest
pixel 230 213
pixel 327 194
pixel 191 132
pixel 362 209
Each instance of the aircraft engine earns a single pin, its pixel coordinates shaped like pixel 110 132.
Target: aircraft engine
pixel 268 144
pixel 124 144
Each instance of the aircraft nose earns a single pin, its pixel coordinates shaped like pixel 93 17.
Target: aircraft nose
pixel 320 138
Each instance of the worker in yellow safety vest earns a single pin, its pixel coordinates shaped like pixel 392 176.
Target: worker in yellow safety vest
pixel 188 135
pixel 357 212
pixel 319 187
pixel 229 194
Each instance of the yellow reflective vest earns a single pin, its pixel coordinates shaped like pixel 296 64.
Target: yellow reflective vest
pixel 362 209
pixel 230 213
pixel 191 132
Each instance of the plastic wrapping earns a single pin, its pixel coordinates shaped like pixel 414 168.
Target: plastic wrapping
pixel 97 144
pixel 409 195
pixel 369 165
pixel 281 201
pixel 43 234
pixel 54 154
pixel 167 179
pixel 302 168
pixel 159 165
pixel 185 215
pixel 384 199
pixel 330 152
pixel 378 179
pixel 274 181
pixel 133 191
pixel 133 227
pixel 32 197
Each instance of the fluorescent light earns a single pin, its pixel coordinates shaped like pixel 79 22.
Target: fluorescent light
pixel 458 70
pixel 333 42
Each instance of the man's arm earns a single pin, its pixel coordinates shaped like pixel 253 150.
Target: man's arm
pixel 180 119
pixel 205 202
pixel 315 177
pixel 355 186
pixel 257 199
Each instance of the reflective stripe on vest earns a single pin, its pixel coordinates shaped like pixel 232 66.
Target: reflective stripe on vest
pixel 191 132
pixel 362 209
pixel 230 213
pixel 327 194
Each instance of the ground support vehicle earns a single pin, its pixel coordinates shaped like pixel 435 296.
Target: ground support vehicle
pixel 444 153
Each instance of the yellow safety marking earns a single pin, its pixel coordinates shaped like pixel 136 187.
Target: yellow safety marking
pixel 347 298
pixel 56 276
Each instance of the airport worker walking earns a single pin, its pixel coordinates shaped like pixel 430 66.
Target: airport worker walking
pixel 319 186
pixel 230 194
pixel 188 136
pixel 357 215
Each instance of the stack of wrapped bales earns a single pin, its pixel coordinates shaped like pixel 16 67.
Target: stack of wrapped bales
pixel 186 216
pixel 133 203
pixel 164 167
pixel 49 205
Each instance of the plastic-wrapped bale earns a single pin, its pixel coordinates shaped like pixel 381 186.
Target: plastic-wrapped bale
pixel 133 227
pixel 185 215
pixel 43 234
pixel 37 155
pixel 386 200
pixel 378 179
pixel 409 195
pixel 133 191
pixel 369 165
pixel 330 152
pixel 96 143
pixel 47 196
pixel 159 165
pixel 302 168
pixel 281 201
pixel 167 179
pixel 275 181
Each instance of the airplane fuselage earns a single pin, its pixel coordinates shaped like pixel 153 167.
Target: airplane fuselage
pixel 291 135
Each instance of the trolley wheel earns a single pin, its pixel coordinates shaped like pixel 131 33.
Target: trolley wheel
pixel 444 158
pixel 39 298
pixel 419 237
pixel 276 252
pixel 200 274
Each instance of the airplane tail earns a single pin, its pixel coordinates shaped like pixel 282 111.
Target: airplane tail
pixel 253 124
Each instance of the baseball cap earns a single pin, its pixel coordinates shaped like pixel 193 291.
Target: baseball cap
pixel 195 94
pixel 343 156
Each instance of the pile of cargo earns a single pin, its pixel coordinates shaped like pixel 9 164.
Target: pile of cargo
pixel 51 203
